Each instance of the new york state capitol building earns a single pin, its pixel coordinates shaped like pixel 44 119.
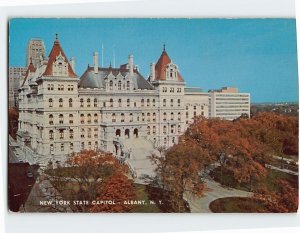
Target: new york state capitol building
pixel 113 109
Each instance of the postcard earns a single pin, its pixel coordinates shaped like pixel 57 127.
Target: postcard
pixel 148 115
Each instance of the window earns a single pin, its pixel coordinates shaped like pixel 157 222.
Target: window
pixel 50 102
pixel 111 102
pixel 50 119
pixel 154 129
pixel 51 135
pixel 71 134
pixel 89 143
pixel 95 102
pixel 179 129
pixel 153 102
pixel 202 107
pixel 71 146
pixel 88 102
pixel 81 102
pixel 172 128
pixel 178 102
pixel 61 134
pixel 113 117
pixel 89 120
pixel 148 117
pixel 165 129
pixel 111 84
pixel 95 118
pixel 128 102
pixel 122 117
pixel 51 147
pixel 82 118
pixel 179 116
pixel 195 114
pixel 119 85
pixel 96 145
pixel 165 116
pixel 143 117
pixel 142 103
pixel 131 117
pixel 148 130
pixel 187 115
pixel 61 119
pixel 62 148
pixel 164 102
pixel 71 119
pixel 89 133
pixel 154 117
pixel 60 102
pixel 62 87
pixel 171 104
pixel 172 89
pixel 202 113
pixel 120 102
pixel 52 87
pixel 82 146
pixel 96 133
pixel 148 102
pixel 165 141
pixel 186 107
pixel 128 85
pixel 70 103
pixel 195 107
pixel 49 87
pixel 82 133
pixel 172 116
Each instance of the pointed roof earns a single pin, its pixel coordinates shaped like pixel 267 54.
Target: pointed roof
pixel 160 67
pixel 56 50
pixel 30 69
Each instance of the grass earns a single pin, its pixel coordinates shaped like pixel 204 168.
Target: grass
pixel 269 182
pixel 237 205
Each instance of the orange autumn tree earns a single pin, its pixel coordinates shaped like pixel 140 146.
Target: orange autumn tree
pixel 90 170
pixel 117 188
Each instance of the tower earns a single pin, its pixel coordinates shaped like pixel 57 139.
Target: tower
pixel 35 52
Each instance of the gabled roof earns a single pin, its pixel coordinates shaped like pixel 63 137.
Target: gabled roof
pixel 160 67
pixel 56 50
pixel 30 69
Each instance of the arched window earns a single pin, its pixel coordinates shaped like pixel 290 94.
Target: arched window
pixel 120 102
pixel 179 116
pixel 153 102
pixel 128 102
pixel 154 129
pixel 71 146
pixel 96 145
pixel 51 135
pixel 179 129
pixel 71 119
pixel 172 128
pixel 82 133
pixel 165 129
pixel 178 102
pixel 154 116
pixel 165 141
pixel 82 118
pixel 164 102
pixel 113 117
pixel 111 102
pixel 95 133
pixel 148 130
pixel 50 119
pixel 89 120
pixel 171 104
pixel 111 85
pixel 131 117
pixel 148 102
pixel 128 85
pixel 172 116
pixel 70 103
pixel 61 118
pixel 51 147
pixel 60 102
pixel 71 134
pixel 61 134
pixel 88 102
pixel 95 118
pixel 89 132
pixel 50 102
pixel 119 85
pixel 143 116
pixel 122 117
pixel 142 103
pixel 82 146
pixel 95 102
pixel 81 102
pixel 165 116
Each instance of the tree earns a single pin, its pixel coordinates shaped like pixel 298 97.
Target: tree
pixel 13 117
pixel 117 188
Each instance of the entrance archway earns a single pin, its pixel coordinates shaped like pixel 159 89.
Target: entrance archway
pixel 118 132
pixel 127 133
pixel 136 132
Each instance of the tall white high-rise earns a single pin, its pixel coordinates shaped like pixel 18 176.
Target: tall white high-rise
pixel 35 52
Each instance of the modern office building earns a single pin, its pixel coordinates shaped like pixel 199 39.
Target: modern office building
pixel 15 75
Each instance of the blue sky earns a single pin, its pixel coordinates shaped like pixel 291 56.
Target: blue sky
pixel 256 55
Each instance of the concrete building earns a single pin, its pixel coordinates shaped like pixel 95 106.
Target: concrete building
pixel 113 109
pixel 15 75
pixel 228 103
pixel 35 52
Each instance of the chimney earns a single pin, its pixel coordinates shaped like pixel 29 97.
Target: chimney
pixel 95 62
pixel 130 64
pixel 72 63
pixel 152 72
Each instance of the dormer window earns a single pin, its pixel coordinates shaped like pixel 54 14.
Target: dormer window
pixel 171 71
pixel 60 66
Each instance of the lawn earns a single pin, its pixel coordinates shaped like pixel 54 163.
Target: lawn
pixel 268 182
pixel 237 205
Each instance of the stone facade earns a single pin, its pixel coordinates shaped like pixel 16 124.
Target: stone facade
pixel 61 113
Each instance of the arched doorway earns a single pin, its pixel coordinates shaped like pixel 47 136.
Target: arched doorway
pixel 136 132
pixel 118 132
pixel 127 133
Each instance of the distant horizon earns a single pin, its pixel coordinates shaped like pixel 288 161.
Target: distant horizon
pixel 258 56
